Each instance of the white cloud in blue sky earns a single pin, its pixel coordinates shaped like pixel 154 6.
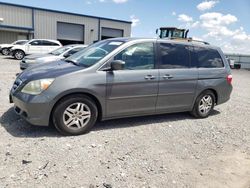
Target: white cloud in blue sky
pixel 206 5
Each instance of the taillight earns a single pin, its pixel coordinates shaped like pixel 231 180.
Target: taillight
pixel 229 79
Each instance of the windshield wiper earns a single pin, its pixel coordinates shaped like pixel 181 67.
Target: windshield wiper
pixel 71 61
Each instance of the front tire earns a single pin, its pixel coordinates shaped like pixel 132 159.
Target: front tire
pixel 204 104
pixel 75 115
pixel 5 51
pixel 19 54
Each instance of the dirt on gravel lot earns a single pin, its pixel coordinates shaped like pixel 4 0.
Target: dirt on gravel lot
pixel 172 150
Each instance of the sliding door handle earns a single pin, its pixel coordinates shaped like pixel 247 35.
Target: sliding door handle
pixel 167 76
pixel 149 77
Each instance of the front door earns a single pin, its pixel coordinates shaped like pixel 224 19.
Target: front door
pixel 133 91
pixel 34 47
pixel 178 79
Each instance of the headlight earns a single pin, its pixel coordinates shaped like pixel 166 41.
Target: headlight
pixel 37 86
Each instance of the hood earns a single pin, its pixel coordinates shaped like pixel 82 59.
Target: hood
pixel 6 45
pixel 48 59
pixel 35 56
pixel 48 70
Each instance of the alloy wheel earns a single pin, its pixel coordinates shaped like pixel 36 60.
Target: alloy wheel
pixel 76 116
pixel 205 104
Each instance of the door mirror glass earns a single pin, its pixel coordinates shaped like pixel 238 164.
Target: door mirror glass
pixel 117 65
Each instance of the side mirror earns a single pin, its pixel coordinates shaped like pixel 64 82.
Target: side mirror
pixel 66 55
pixel 156 32
pixel 117 65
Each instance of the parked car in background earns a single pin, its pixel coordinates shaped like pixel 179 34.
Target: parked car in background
pixel 123 77
pixel 34 46
pixel 55 55
pixel 5 48
pixel 231 63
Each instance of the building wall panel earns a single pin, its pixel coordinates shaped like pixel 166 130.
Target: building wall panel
pixel 7 37
pixel 126 27
pixel 16 16
pixel 46 25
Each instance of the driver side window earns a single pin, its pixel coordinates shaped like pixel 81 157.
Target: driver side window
pixel 138 56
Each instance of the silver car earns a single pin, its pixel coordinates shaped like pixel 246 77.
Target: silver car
pixel 58 54
pixel 123 77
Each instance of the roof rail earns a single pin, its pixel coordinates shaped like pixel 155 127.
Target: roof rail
pixel 188 40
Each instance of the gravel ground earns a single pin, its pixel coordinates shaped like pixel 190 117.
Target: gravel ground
pixel 172 150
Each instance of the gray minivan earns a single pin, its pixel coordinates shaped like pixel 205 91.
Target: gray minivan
pixel 123 77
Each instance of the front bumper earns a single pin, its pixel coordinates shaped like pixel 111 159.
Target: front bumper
pixel 34 109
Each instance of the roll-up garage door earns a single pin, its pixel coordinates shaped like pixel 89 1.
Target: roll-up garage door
pixel 111 33
pixel 72 33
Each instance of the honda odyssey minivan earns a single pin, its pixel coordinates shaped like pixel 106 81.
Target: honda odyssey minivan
pixel 123 77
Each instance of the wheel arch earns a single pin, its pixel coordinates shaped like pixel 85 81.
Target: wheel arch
pixel 209 89
pixel 14 51
pixel 88 94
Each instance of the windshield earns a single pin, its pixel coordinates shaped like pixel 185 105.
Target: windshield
pixel 20 42
pixel 92 54
pixel 59 51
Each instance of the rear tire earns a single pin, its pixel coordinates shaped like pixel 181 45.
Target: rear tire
pixel 19 54
pixel 5 51
pixel 75 115
pixel 204 104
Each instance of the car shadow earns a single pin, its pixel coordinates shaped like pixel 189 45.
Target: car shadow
pixel 9 57
pixel 18 127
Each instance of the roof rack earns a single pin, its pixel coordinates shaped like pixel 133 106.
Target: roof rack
pixel 188 40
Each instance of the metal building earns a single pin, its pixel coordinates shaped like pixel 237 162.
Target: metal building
pixel 24 22
pixel 242 59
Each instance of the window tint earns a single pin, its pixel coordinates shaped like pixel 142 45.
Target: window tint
pixel 208 58
pixel 36 43
pixel 49 43
pixel 73 51
pixel 174 56
pixel 138 56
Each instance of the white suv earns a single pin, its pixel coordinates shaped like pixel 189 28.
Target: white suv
pixel 5 48
pixel 34 46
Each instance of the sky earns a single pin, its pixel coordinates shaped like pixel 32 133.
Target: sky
pixel 224 23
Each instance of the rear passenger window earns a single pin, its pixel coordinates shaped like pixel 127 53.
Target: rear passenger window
pixel 49 43
pixel 208 58
pixel 174 56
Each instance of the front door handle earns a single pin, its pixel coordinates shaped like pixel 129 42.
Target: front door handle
pixel 167 76
pixel 149 77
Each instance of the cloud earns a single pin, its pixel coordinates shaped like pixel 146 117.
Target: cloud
pixel 214 18
pixel 120 1
pixel 135 21
pixel 185 18
pixel 188 21
pixel 216 24
pixel 206 5
pixel 173 13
